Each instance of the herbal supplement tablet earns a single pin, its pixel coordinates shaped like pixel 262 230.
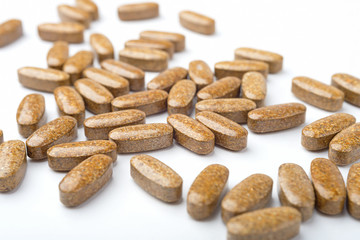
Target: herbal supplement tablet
pixel 73 14
pixel 138 11
pixel 227 87
pixel 144 58
pixel 205 191
pixel 166 79
pixel 253 87
pixel 66 31
pixel 156 178
pixel 197 22
pixel 176 38
pixel 163 45
pixel 76 64
pixel 350 86
pixel 88 6
pixel 102 46
pixel 58 55
pixel 200 73
pixel 238 68
pixel 181 97
pixel 10 31
pixel 85 180
pixel 353 191
pixel 1 136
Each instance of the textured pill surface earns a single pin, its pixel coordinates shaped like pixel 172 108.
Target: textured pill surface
pixel 181 97
pixel 227 87
pixel 68 32
pixel 163 45
pixel 253 87
pixel 353 191
pixel 102 46
pixel 176 38
pixel 69 13
pixel 58 55
pixel 76 64
pixel 349 85
pixel 200 73
pixel 165 80
pixel 197 22
pixel 10 31
pixel 88 6
pixel 138 11
pixel 145 58
pixel 239 67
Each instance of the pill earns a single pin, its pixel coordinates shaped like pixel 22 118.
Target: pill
pixel 1 136
pixel 227 87
pixel 30 114
pixel 192 134
pixel 77 63
pixel 64 157
pixel 329 186
pixel 353 191
pixel 344 148
pixel 73 14
pixel 274 60
pixel 66 31
pixel 150 102
pixel 138 11
pixel 12 164
pixel 317 135
pixel 156 178
pixel 276 117
pixel 10 31
pixel 163 45
pixel 238 68
pixel 102 46
pixel 70 103
pixel 42 79
pixel 253 193
pixel 176 38
pixel 142 137
pixel 278 223
pixel 181 97
pixel 349 85
pixel 166 79
pixel 296 190
pixel 235 109
pixel 58 55
pixel 197 22
pixel 205 191
pixel 228 134
pixel 96 97
pixel 85 180
pixel 134 75
pixel 317 93
pixel 253 87
pixel 59 130
pixel 88 6
pixel 200 73
pixel 99 126
pixel 145 58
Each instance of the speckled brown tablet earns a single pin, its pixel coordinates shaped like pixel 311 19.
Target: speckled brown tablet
pixel 145 58
pixel 138 11
pixel 163 45
pixel 42 79
pixel 205 191
pixel 353 191
pixel 58 55
pixel 88 6
pixel 1 136
pixel 85 180
pixel 30 114
pixel 150 102
pixel 296 190
pixel 181 97
pixel 59 130
pixel 253 193
pixel 166 79
pixel 200 73
pixel 253 87
pixel 329 186
pixel 156 178
pixel 349 85
pixel 197 22
pixel 276 117
pixel 280 223
pixel 102 46
pixel 176 38
pixel 76 64
pixel 99 126
pixel 228 87
pixel 192 134
pixel 317 135
pixel 239 67
pixel 66 31
pixel 10 31
pixel 73 14
pixel 66 156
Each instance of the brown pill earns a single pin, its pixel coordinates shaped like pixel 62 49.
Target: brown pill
pixel 176 38
pixel 239 67
pixel 167 79
pixel 329 186
pixel 85 180
pixel 150 102
pixel 192 134
pixel 142 137
pixel 274 60
pixel 228 87
pixel 163 45
pixel 42 79
pixel 58 55
pixel 353 191
pixel 145 58
pixel 205 191
pixel 276 117
pixel 349 85
pixel 102 46
pixel 296 190
pixel 30 114
pixel 134 75
pixel 278 223
pixel 99 126
pixel 12 164
pixel 253 87
pixel 10 31
pixel 1 136
pixel 181 97
pixel 317 93
pixel 156 178
pixel 138 11
pixel 66 31
pixel 253 193
pixel 70 103
pixel 317 135
pixel 197 22
pixel 76 64
pixel 200 73
pixel 88 6
pixel 73 14
pixel 60 130
pixel 66 156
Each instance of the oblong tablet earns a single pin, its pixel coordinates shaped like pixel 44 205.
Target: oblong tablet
pixel 181 97
pixel 68 32
pixel 239 67
pixel 73 14
pixel 176 38
pixel 10 31
pixel 200 73
pixel 166 79
pixel 197 22
pixel 353 191
pixel 138 11
pixel 89 6
pixel 77 63
pixel 253 87
pixel 227 87
pixel 144 58
pixel 349 85
pixel 102 46
pixel 58 55
pixel 163 45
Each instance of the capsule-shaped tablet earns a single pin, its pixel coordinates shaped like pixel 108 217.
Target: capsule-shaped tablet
pixel 58 55
pixel 176 38
pixel 102 46
pixel 239 67
pixel 76 64
pixel 192 134
pixel 280 223
pixel 88 6
pixel 329 186
pixel 205 191
pixel 349 85
pixel 227 87
pixel 59 130
pixel 163 45
pixel 73 14
pixel 197 22
pixel 150 102
pixel 167 79
pixel 253 87
pixel 156 178
pixel 66 156
pixel 1 136
pixel 200 73
pixel 296 190
pixel 317 135
pixel 10 31
pixel 276 117
pixel 353 191
pixel 253 193
pixel 144 58
pixel 66 31
pixel 181 97
pixel 85 180
pixel 30 114
pixel 99 126
pixel 138 11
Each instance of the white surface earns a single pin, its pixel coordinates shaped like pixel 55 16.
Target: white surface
pixel 316 38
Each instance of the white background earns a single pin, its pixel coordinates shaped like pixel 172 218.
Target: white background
pixel 316 38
